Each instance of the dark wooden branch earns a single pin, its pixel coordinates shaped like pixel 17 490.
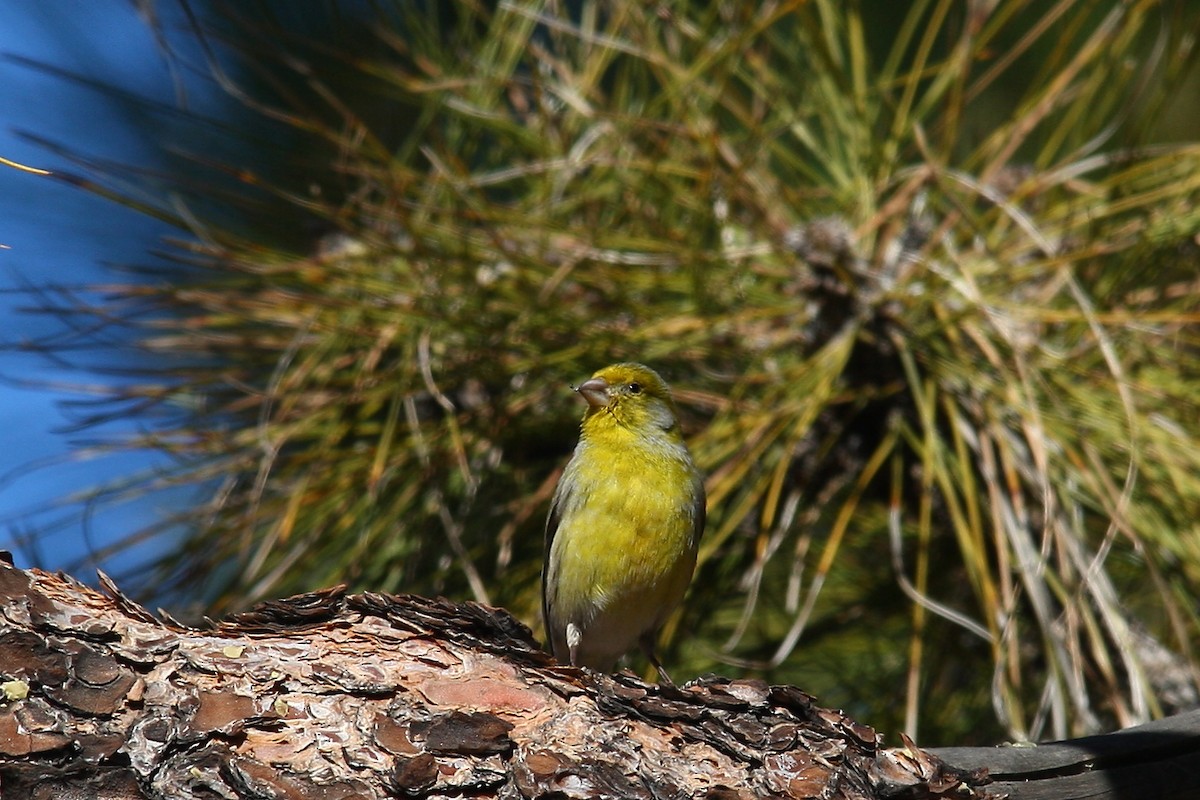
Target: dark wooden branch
pixel 330 695
pixel 1159 760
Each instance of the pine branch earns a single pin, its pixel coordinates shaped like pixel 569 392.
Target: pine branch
pixel 330 695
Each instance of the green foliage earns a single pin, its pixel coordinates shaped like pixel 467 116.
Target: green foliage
pixel 923 282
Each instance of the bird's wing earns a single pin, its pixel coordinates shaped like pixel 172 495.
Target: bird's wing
pixel 552 521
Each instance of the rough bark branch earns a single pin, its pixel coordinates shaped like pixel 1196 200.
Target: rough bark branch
pixel 331 695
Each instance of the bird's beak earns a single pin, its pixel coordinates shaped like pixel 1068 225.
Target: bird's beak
pixel 595 391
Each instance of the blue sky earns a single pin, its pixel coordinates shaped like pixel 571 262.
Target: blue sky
pixel 55 234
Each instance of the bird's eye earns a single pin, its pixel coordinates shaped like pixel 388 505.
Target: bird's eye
pixel 635 388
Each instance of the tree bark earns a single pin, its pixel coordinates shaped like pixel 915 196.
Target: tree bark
pixel 331 695
pixel 334 696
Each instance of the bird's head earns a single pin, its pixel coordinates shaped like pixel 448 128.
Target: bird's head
pixel 631 395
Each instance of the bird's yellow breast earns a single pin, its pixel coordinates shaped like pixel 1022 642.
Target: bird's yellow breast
pixel 630 524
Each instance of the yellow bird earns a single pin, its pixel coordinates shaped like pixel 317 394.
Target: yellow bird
pixel 624 523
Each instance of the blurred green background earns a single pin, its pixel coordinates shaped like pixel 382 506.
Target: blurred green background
pixel 923 277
